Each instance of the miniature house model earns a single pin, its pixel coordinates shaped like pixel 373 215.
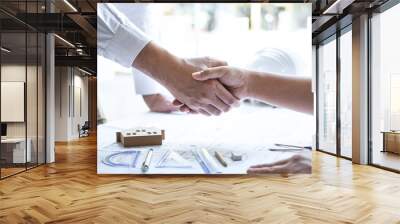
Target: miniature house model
pixel 140 136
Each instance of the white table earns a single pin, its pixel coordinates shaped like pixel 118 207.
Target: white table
pixel 19 153
pixel 249 130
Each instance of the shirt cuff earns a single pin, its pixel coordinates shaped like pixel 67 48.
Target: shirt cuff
pixel 145 85
pixel 126 44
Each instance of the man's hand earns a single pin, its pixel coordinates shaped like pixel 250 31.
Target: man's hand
pixel 206 97
pixel 158 103
pixel 295 164
pixel 279 90
pixel 236 80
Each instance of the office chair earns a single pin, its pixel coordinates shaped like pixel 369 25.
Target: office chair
pixel 84 130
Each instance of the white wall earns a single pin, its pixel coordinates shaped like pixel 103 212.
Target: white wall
pixel 61 103
pixel 79 117
pixel 70 83
pixel 12 73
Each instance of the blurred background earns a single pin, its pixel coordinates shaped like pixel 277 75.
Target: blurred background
pixel 265 37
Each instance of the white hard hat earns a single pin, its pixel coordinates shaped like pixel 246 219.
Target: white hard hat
pixel 273 60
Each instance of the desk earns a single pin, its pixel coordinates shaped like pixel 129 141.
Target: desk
pixel 391 141
pixel 13 150
pixel 250 130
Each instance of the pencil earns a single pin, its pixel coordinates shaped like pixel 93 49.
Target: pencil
pixel 220 159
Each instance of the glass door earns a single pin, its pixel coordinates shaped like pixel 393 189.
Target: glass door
pixel 14 153
pixel 327 96
pixel 385 89
pixel 346 92
pixel 22 77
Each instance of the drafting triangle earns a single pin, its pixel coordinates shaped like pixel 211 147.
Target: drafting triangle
pixel 172 159
pixel 122 159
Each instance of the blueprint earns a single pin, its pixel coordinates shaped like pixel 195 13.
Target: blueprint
pixel 186 137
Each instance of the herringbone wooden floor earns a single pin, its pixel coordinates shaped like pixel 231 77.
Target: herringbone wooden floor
pixel 70 191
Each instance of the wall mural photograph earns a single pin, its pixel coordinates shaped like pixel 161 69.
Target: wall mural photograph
pixel 204 88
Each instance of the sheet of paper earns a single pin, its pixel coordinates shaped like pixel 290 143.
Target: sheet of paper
pixel 250 134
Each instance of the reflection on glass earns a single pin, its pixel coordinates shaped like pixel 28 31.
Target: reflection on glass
pixel 41 99
pixel 395 102
pixel 22 92
pixel 31 101
pixel 13 86
pixel 32 86
pixel 346 94
pixel 327 97
pixel 385 96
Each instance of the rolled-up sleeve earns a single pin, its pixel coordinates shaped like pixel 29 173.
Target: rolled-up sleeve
pixel 118 39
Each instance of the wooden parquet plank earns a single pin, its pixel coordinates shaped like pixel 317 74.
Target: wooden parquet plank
pixel 70 191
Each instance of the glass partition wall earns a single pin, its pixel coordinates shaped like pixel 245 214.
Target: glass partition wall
pixel 327 95
pixel 385 90
pixel 345 92
pixel 22 66
pixel 334 94
pixel 13 90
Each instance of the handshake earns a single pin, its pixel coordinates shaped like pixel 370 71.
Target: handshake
pixel 200 85
pixel 216 88
pixel 210 87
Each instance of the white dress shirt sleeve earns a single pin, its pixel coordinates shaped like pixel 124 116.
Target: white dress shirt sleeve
pixel 118 39
pixel 145 85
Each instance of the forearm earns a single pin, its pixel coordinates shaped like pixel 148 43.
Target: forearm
pixel 157 63
pixel 285 91
pixel 175 74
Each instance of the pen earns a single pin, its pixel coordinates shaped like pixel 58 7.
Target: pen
pixel 147 160
pixel 286 150
pixel 293 146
